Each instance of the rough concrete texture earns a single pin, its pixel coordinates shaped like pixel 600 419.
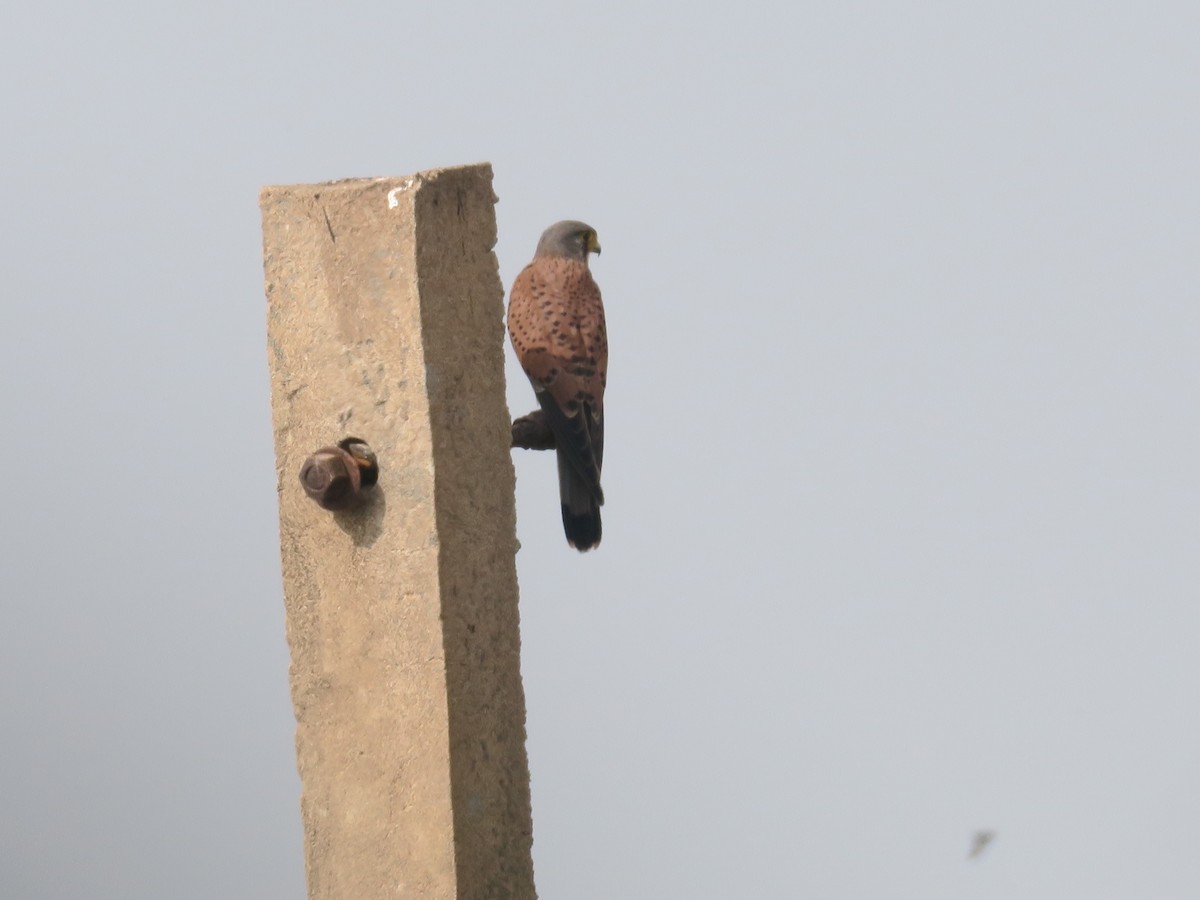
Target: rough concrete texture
pixel 385 322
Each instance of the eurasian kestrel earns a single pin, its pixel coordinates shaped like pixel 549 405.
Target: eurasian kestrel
pixel 556 322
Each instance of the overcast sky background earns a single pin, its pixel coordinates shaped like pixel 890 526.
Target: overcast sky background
pixel 903 515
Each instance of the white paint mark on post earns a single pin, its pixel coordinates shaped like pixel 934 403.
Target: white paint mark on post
pixel 393 199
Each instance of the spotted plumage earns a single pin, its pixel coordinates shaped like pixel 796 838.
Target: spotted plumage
pixel 556 323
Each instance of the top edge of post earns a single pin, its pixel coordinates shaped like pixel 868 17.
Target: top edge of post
pixel 416 180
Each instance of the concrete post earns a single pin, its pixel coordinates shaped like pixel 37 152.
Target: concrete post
pixel 385 322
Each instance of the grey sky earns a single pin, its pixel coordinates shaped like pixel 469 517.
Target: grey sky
pixel 902 522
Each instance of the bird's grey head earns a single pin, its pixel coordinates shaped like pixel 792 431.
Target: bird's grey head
pixel 574 240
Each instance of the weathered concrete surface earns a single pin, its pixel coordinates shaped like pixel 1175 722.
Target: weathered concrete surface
pixel 385 322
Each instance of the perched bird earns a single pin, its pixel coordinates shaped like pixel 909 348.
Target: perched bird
pixel 556 323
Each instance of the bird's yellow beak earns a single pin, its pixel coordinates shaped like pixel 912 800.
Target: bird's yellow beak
pixel 593 243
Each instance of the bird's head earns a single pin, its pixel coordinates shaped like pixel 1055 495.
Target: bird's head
pixel 571 239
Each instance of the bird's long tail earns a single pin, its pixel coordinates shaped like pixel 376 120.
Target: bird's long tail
pixel 579 442
pixel 580 506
